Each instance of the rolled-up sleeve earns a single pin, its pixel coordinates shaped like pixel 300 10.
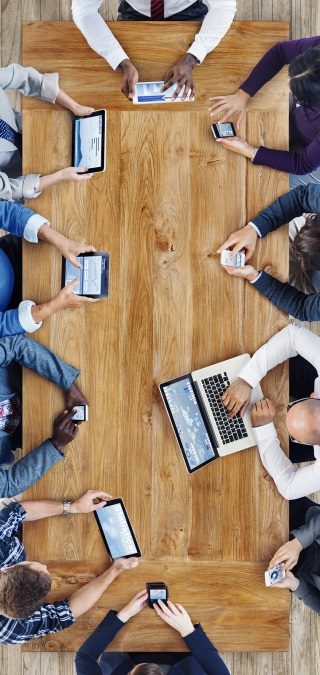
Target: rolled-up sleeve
pixel 26 319
pixel 49 87
pixel 23 187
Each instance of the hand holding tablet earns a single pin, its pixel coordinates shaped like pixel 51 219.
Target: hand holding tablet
pixel 152 92
pixel 91 273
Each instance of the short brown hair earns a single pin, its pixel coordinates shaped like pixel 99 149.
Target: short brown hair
pixel 22 591
pixel 149 669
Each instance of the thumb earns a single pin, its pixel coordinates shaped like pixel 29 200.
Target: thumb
pixel 80 169
pixel 74 260
pixel 72 284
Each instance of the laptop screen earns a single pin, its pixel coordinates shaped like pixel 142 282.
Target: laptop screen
pixel 188 423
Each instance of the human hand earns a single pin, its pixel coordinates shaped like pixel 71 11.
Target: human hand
pixel 237 397
pixel 70 249
pixel 290 581
pixel 67 299
pixel 246 272
pixel 73 396
pixel 134 606
pixel 81 110
pixel 64 430
pixel 262 412
pixel 181 73
pixel 245 238
pixel 123 564
pixel 76 174
pixel 130 78
pixel 288 554
pixel 92 500
pixel 176 616
pixel 223 107
pixel 238 145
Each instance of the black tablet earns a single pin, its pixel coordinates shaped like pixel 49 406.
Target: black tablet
pixel 89 141
pixel 93 277
pixel 116 530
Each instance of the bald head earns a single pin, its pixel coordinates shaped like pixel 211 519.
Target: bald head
pixel 303 421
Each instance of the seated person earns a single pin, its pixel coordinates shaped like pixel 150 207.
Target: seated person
pixel 303 57
pixel 304 251
pixel 28 317
pixel 216 22
pixel 303 417
pixel 301 557
pixel 24 614
pixel 18 351
pixel 28 81
pixel 203 660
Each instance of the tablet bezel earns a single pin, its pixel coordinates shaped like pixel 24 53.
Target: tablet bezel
pixel 102 167
pixel 174 427
pixel 111 502
pixel 104 254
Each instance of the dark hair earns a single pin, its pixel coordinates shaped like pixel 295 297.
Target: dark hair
pixel 304 73
pixel 305 251
pixel 22 591
pixel 149 669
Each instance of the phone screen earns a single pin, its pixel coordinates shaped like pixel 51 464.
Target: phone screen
pixel 158 594
pixel 224 130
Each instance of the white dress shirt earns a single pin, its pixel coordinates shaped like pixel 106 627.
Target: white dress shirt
pixel 292 482
pixel 214 26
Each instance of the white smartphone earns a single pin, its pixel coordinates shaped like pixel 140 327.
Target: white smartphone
pixel 239 260
pixel 274 575
pixel 81 413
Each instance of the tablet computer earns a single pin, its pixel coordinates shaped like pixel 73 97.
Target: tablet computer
pixel 89 141
pixel 116 530
pixel 93 277
pixel 150 92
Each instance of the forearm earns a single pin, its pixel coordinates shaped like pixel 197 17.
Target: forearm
pixel 303 199
pixel 65 100
pixel 37 357
pixel 50 179
pixel 278 349
pixel 287 298
pixel 214 27
pixel 29 469
pixel 36 510
pixel 84 598
pixel 289 161
pixel 292 482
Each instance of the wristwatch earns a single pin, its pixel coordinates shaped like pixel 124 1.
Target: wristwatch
pixel 66 507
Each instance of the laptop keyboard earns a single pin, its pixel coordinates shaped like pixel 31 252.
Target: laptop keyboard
pixel 229 430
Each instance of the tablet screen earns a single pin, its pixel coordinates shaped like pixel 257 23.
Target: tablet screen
pixel 115 527
pixel 92 269
pixel 88 142
pixel 187 420
pixel 93 276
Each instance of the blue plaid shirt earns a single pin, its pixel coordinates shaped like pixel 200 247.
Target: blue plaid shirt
pixel 50 618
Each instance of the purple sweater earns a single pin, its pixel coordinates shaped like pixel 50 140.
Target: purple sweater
pixel 306 122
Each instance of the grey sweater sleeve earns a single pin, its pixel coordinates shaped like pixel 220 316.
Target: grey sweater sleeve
pixel 310 531
pixel 309 595
pixel 29 469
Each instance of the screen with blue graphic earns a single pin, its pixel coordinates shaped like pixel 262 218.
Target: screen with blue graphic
pixel 116 530
pixel 188 422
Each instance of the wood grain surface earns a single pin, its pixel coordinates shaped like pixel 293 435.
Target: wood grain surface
pixel 203 587
pixel 170 195
pixel 59 46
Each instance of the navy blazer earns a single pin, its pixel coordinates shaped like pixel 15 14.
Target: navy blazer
pixel 204 658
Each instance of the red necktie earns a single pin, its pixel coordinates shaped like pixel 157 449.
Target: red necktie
pixel 157 10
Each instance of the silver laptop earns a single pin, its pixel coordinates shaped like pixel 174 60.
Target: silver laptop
pixel 199 418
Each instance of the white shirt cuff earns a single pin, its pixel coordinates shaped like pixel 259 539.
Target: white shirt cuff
pixel 114 59
pixel 256 279
pixel 255 228
pixel 199 52
pixel 33 226
pixel 25 317
pixel 250 375
pixel 265 431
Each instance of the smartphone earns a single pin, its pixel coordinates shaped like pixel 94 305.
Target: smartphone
pixel 224 130
pixel 274 575
pixel 81 413
pixel 157 590
pixel 226 258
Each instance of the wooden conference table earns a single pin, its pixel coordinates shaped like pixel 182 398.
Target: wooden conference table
pixel 169 197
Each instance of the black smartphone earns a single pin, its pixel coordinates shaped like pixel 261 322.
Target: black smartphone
pixel 224 130
pixel 157 590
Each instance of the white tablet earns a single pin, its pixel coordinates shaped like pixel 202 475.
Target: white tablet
pixel 89 141
pixel 150 92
